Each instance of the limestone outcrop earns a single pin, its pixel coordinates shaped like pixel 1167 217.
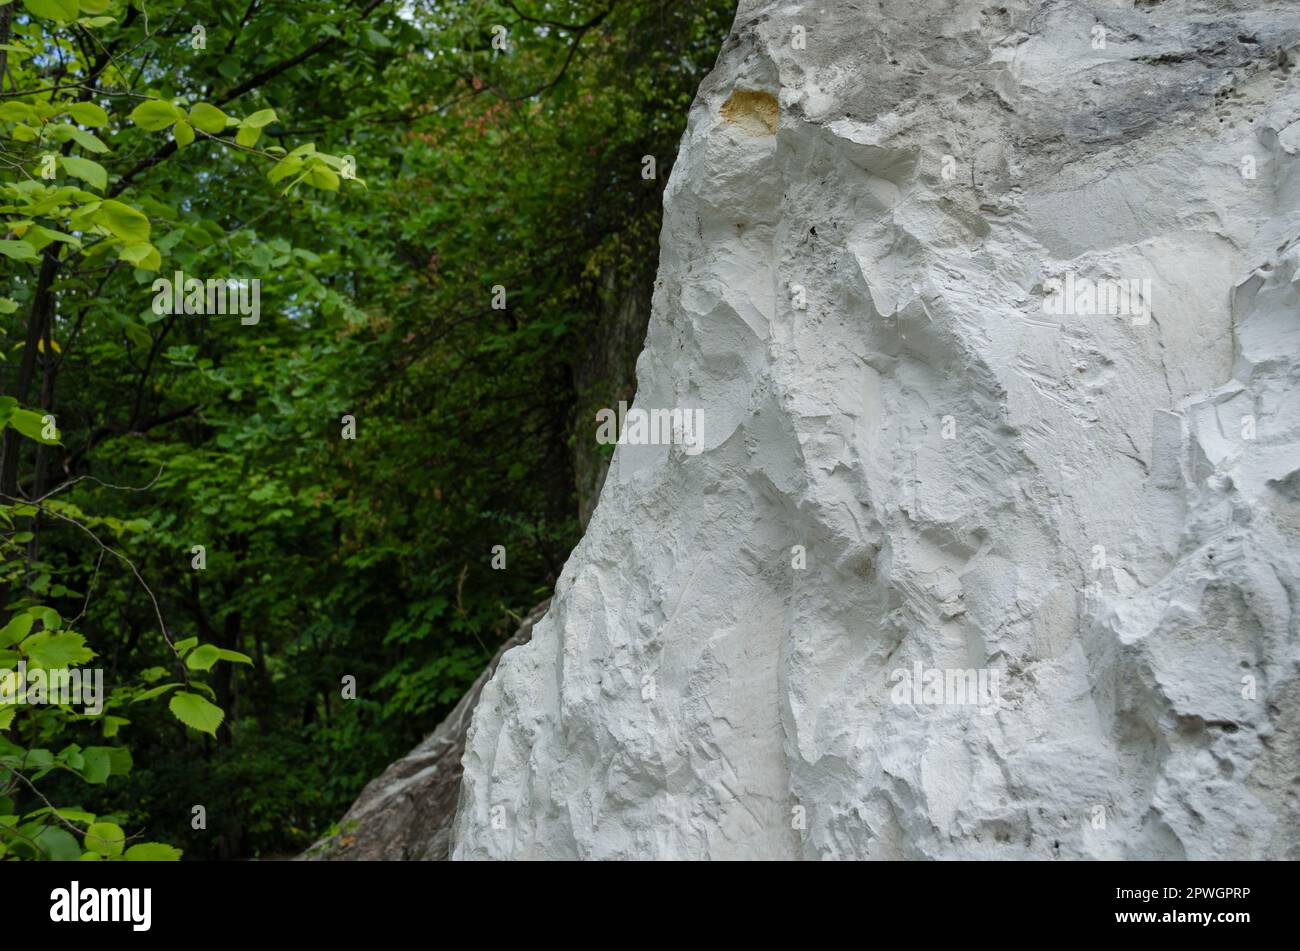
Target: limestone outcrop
pixel 992 314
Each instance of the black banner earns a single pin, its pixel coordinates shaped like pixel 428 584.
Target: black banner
pixel 1220 901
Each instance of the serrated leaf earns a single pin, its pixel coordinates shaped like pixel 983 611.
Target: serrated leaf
pixel 195 712
pixel 153 852
pixel 55 650
pixel 105 838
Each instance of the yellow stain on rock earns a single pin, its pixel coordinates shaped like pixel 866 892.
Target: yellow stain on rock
pixel 755 111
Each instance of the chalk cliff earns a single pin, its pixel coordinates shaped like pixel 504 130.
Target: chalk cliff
pixel 992 312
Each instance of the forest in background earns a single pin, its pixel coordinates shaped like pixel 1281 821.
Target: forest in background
pixel 233 518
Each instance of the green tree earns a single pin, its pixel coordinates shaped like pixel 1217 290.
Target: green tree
pixel 179 487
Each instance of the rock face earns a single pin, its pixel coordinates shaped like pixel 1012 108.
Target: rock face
pixel 406 813
pixel 992 313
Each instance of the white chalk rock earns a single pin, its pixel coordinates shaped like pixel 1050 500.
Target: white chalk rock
pixel 988 547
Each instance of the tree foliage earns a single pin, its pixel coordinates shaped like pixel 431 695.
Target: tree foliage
pixel 182 503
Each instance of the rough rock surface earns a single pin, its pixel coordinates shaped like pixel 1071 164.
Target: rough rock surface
pixel 856 286
pixel 406 812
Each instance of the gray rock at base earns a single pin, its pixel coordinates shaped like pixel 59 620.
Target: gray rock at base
pixel 963 569
pixel 406 813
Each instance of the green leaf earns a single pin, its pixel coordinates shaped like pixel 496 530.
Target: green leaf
pixel 87 140
pixel 234 657
pixel 208 118
pixel 18 250
pixel 323 178
pixel 90 172
pixel 183 646
pixel 144 256
pixel 87 113
pixel 194 711
pixel 31 425
pixel 112 724
pixel 124 221
pixel 138 335
pixel 52 9
pixel 247 136
pixel 283 169
pixel 120 758
pixel 7 713
pixel 47 616
pixel 259 119
pixel 202 657
pixel 17 112
pixel 40 236
pixel 154 692
pixel 155 115
pixel 94 6
pixel 105 838
pixel 55 650
pixel 183 132
pixel 58 844
pixel 152 852
pixel 98 765
pixel 19 626
pixel 71 815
